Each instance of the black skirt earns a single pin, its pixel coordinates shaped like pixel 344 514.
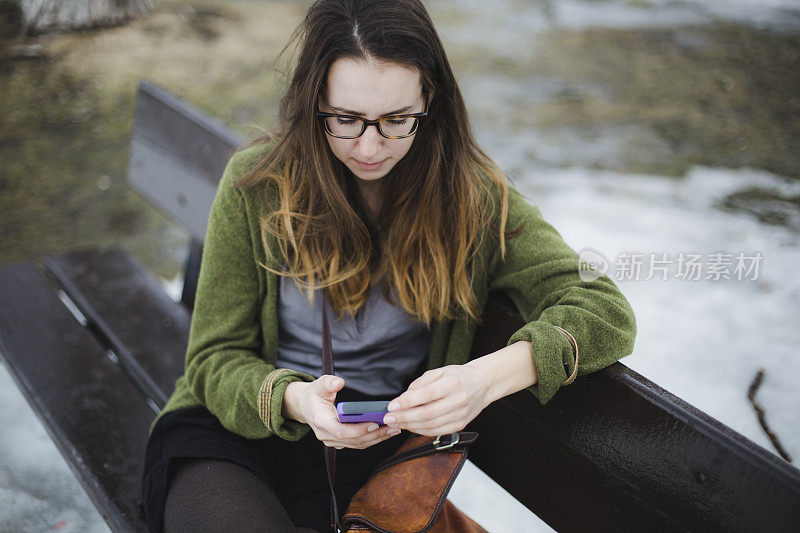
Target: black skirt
pixel 294 470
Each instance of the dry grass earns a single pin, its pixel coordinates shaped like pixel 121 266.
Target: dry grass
pixel 217 55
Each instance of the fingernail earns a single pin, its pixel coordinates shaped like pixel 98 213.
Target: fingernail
pixel 389 419
pixel 393 431
pixel 394 406
pixel 372 427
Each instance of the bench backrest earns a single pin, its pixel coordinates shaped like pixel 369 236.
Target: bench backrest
pixel 613 451
pixel 177 157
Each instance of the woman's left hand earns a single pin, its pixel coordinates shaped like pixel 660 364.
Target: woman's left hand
pixel 440 401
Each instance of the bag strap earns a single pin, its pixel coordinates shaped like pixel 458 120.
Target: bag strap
pixel 330 453
pixel 453 443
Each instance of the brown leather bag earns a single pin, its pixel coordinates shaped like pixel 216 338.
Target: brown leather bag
pixel 407 493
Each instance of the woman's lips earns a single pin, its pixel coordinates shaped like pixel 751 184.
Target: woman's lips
pixel 369 166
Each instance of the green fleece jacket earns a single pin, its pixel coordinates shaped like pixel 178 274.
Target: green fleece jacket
pixel 233 339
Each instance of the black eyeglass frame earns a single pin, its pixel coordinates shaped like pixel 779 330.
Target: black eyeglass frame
pixel 377 123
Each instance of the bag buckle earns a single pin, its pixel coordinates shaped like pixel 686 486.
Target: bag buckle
pixel 454 438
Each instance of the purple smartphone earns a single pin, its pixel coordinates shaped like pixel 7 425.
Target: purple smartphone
pixel 362 411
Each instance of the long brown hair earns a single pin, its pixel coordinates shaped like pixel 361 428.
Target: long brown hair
pixel 438 200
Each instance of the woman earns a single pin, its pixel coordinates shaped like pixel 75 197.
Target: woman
pixel 374 194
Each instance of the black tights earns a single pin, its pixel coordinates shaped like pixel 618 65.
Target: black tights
pixel 219 495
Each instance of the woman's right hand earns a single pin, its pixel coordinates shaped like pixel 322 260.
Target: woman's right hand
pixel 313 404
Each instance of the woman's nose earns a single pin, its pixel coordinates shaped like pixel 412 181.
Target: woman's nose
pixel 369 143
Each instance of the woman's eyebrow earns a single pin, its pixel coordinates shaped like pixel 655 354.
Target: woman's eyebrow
pixel 349 112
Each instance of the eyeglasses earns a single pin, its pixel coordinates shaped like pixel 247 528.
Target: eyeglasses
pixel 390 126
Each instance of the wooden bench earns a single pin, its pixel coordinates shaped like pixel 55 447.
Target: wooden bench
pixel 96 345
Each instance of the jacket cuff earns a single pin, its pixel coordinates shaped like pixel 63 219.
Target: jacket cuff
pixel 270 404
pixel 552 353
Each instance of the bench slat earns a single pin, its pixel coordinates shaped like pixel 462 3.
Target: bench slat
pixel 127 308
pixel 630 455
pixel 178 155
pixel 73 386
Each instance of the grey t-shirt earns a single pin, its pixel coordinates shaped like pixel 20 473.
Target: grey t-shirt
pixel 376 353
